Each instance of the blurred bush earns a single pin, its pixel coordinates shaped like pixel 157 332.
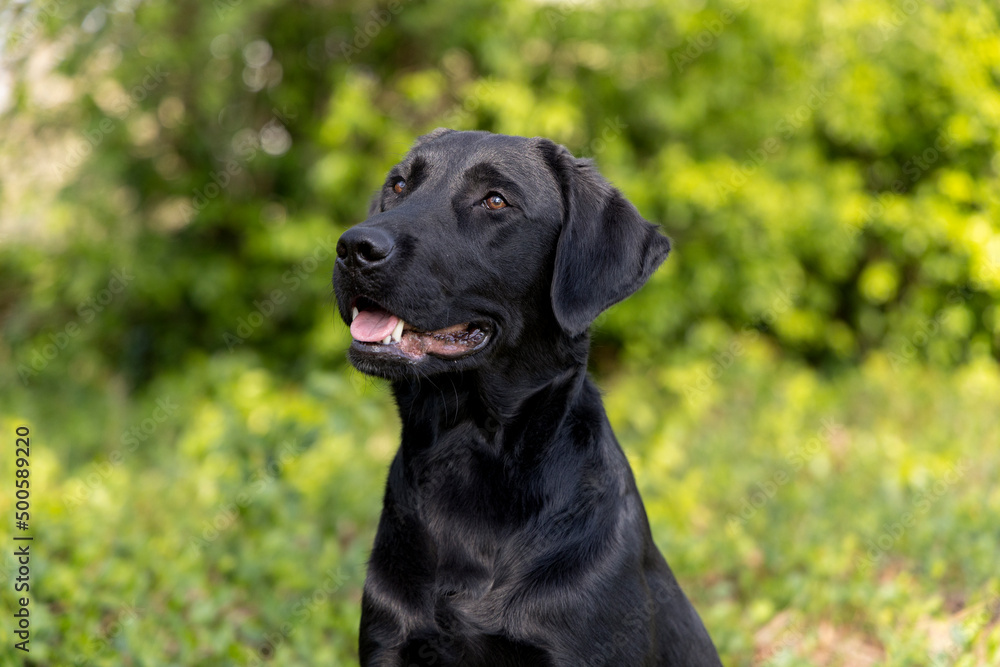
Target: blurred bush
pixel 830 180
pixel 173 178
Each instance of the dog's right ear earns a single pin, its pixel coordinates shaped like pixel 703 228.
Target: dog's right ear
pixel 606 250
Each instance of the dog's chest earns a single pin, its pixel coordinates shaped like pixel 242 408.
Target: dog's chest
pixel 466 489
pixel 470 502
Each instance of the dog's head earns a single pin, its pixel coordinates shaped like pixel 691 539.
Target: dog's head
pixel 481 244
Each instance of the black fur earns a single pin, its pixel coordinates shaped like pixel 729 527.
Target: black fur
pixel 512 532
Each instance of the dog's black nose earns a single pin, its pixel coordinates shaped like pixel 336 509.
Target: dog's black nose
pixel 364 245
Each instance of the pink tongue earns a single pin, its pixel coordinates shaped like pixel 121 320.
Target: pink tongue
pixel 371 326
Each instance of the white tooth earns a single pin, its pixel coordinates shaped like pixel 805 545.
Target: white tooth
pixel 354 314
pixel 386 340
pixel 397 333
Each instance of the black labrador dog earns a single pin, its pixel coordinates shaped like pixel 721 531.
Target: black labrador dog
pixel 512 532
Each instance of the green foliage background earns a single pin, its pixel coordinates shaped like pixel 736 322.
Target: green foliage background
pixel 808 389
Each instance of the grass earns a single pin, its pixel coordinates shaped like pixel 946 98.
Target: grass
pixel 813 520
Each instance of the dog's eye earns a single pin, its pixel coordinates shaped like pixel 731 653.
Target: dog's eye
pixel 399 186
pixel 494 202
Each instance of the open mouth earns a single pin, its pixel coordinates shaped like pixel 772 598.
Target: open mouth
pixel 377 331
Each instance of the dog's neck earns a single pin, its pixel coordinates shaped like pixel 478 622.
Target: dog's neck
pixel 524 401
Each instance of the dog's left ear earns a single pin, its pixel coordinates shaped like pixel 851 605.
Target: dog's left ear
pixel 606 250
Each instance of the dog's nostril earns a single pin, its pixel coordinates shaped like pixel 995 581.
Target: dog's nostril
pixel 371 251
pixel 365 245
